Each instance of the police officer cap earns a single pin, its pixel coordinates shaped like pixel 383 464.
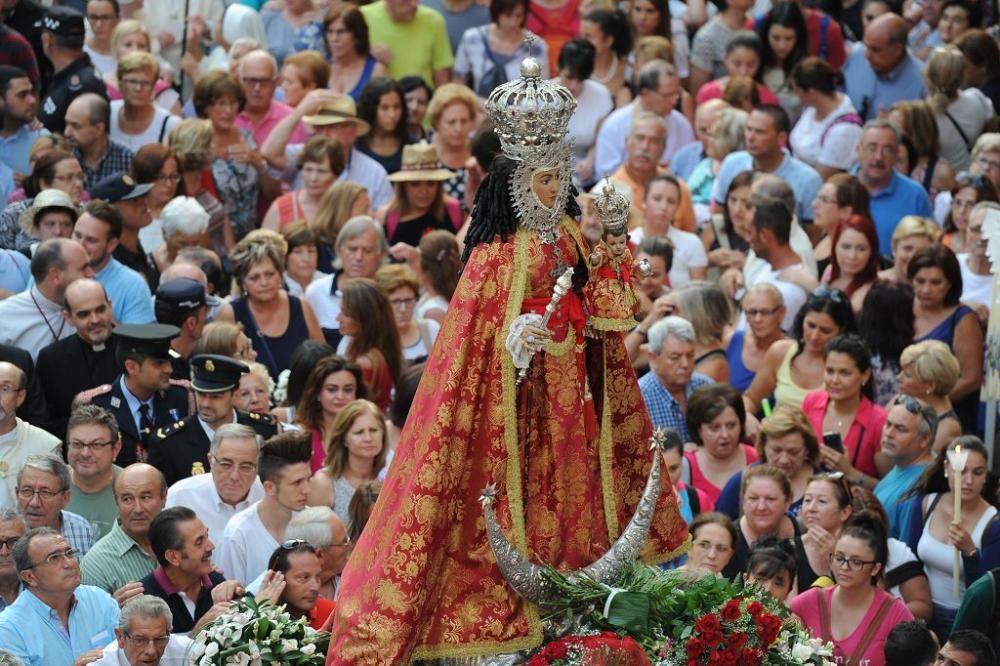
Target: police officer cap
pixel 64 20
pixel 214 373
pixel 119 187
pixel 147 339
pixel 178 298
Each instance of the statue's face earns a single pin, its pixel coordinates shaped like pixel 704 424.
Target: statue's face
pixel 546 183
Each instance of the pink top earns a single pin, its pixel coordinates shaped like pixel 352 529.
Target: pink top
pixel 713 90
pixel 864 437
pixel 806 606
pixel 699 482
pixel 276 112
pixel 319 452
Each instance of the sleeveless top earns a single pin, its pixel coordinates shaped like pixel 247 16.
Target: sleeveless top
pixel 945 331
pixel 343 491
pixel 366 75
pixel 786 391
pixel 740 376
pixel 411 231
pixel 275 353
pixel 699 481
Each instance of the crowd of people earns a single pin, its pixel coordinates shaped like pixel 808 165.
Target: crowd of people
pixel 229 240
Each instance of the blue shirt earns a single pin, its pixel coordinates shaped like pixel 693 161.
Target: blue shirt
pixel 14 148
pixel 663 408
pixel 802 178
pixel 129 293
pixel 15 271
pixel 133 404
pixel 873 92
pixel 902 196
pixel 686 159
pixel 33 631
pixel 891 488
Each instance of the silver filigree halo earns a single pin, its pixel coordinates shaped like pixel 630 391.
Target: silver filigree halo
pixel 531 118
pixel 527 578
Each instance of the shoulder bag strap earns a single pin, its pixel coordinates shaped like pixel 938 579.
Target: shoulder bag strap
pixel 825 630
pixel 873 628
pixel 166 117
pixel 954 123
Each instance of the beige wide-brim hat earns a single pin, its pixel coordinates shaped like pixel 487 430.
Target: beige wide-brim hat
pixel 420 163
pixel 46 199
pixel 341 110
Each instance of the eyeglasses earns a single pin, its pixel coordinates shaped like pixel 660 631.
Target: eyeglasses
pixel 226 466
pixel 138 84
pixel 253 83
pixel 57 557
pixel 849 563
pixel 761 312
pixel 8 542
pixel 159 642
pixel 101 18
pixel 987 162
pixel 93 446
pixel 402 303
pixel 823 199
pixel 172 179
pixel 835 295
pixel 44 494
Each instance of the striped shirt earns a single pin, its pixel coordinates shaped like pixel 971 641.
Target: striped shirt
pixel 78 532
pixel 115 560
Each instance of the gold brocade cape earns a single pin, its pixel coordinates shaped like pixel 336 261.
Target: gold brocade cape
pixel 422 582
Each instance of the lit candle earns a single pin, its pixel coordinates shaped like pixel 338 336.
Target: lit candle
pixel 956 460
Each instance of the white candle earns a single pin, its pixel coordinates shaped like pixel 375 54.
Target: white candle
pixel 956 460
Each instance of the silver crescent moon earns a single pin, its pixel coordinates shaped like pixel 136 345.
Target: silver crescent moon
pixel 526 577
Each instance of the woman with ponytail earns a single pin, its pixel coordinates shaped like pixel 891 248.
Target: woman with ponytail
pixel 855 614
pixel 961 114
pixel 439 268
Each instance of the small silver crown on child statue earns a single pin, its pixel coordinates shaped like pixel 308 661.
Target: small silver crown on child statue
pixel 612 209
pixel 531 115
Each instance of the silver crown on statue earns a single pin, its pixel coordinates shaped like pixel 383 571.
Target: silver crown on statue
pixel 531 114
pixel 612 209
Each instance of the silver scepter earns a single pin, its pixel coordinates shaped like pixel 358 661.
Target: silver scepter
pixel 562 287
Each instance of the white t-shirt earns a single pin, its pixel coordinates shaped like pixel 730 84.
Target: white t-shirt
pixel 594 104
pixel 689 252
pixel 105 64
pixel 838 148
pixel 157 131
pixel 975 288
pixel 246 546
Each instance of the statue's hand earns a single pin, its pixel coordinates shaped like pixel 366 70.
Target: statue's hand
pixel 527 336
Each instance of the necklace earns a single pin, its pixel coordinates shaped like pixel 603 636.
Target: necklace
pixel 611 70
pixel 56 336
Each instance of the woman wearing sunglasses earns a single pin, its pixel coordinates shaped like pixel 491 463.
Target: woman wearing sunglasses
pixel 855 614
pixel 793 368
pixel 931 529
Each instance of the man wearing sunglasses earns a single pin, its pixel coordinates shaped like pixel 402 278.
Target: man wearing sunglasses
pixel 906 440
pixel 55 619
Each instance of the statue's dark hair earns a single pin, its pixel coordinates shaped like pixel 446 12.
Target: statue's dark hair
pixel 493 213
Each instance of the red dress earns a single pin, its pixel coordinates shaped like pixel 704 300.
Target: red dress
pixel 425 584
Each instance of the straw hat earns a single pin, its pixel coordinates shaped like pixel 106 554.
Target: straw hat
pixel 337 111
pixel 46 199
pixel 420 163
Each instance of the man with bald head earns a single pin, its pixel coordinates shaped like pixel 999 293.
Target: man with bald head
pixel 258 72
pixel 82 360
pixel 21 439
pixel 688 157
pixel 33 319
pixel 883 72
pixel 124 557
pixel 88 123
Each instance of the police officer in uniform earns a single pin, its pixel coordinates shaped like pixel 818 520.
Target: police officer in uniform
pixel 63 35
pixel 181 450
pixel 184 303
pixel 141 397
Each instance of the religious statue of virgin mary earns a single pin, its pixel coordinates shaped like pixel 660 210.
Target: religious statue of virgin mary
pixel 565 444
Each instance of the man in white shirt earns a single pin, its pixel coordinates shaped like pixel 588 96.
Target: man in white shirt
pixel 19 440
pixel 144 636
pixel 34 318
pixel 659 91
pixel 253 534
pixel 232 485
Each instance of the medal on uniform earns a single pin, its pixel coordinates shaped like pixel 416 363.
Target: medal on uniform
pixel 197 468
pixel 175 415
pixel 116 402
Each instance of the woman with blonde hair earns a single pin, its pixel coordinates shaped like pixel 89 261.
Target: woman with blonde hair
pixel 912 234
pixel 136 119
pixel 356 452
pixel 961 114
pixel 226 339
pixel 254 391
pixel 440 266
pixel 452 113
pixel 130 36
pixel 986 158
pixel 929 372
pixel 341 201
pixel 710 311
pixel 725 137
pixel 191 142
pixel 921 138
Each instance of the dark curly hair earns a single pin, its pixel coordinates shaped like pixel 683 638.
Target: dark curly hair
pixel 369 100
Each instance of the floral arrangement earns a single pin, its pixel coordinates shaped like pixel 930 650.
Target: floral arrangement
pixel 252 634
pixel 279 393
pixel 677 619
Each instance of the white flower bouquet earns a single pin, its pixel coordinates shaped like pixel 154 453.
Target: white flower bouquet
pixel 253 634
